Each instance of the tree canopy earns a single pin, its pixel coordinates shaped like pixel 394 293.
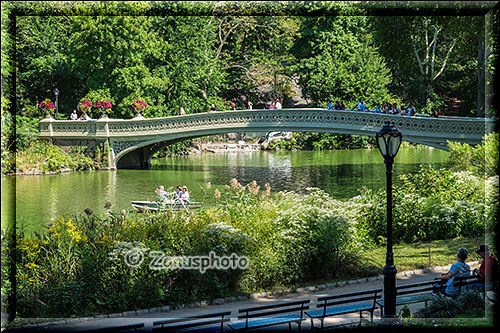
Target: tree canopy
pixel 194 54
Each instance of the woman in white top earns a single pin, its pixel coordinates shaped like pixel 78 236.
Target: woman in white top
pixel 185 194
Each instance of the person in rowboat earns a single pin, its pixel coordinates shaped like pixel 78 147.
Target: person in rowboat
pixel 161 193
pixel 185 195
pixel 177 195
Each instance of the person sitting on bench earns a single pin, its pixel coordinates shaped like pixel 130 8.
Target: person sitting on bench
pixel 487 272
pixel 458 269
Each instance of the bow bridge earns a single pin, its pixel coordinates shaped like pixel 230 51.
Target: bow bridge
pixel 130 143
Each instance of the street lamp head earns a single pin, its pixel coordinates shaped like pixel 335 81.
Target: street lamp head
pixel 388 141
pixel 56 92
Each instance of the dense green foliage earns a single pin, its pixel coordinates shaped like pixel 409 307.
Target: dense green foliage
pixel 337 62
pixel 432 204
pixel 194 54
pixel 429 59
pixel 469 304
pixel 41 157
pixel 290 239
pixel 323 141
pixel 78 266
pixel 482 159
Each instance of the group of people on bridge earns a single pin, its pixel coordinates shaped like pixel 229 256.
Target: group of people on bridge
pixel 386 108
pixel 179 196
pixel 74 116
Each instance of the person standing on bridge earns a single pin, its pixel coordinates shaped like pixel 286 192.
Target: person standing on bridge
pixel 411 110
pixel 233 106
pixel 74 115
pixel 395 109
pixel 213 108
pixel 329 106
pixel 278 104
pixel 250 105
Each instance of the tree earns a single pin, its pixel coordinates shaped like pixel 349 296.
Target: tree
pixel 254 52
pixel 187 63
pixel 431 57
pixel 337 61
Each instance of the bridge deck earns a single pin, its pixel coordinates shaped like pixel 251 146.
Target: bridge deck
pixel 127 135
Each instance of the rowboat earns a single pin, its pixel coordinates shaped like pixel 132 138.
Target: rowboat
pixel 155 206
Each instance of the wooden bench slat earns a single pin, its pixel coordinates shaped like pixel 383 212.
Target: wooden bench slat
pixel 274 312
pixel 210 329
pixel 418 284
pixel 345 303
pixel 410 299
pixel 264 322
pixel 340 310
pixel 198 323
pixel 190 318
pixel 360 299
pixel 405 292
pixel 260 315
pixel 117 328
pixel 349 295
pixel 273 305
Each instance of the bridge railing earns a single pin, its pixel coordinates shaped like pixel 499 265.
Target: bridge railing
pixel 417 129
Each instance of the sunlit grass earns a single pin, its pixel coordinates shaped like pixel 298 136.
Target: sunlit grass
pixel 416 255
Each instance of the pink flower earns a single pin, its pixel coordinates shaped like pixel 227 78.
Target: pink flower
pixel 98 104
pixel 139 104
pixel 50 105
pixel 107 104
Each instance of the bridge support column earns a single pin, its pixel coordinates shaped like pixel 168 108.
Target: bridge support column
pixel 137 159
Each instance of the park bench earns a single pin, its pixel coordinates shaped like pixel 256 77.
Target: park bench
pixel 423 291
pixel 413 293
pixel 464 281
pixel 265 315
pixel 198 323
pixel 345 303
pixel 121 328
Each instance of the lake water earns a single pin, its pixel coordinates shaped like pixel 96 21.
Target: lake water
pixel 34 201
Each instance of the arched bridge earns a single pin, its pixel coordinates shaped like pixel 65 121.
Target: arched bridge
pixel 132 142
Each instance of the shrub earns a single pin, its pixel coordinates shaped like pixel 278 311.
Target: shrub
pixel 482 159
pixel 431 204
pixel 469 303
pixel 77 268
pixel 46 157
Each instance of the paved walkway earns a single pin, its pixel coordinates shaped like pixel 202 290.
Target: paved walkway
pixel 147 317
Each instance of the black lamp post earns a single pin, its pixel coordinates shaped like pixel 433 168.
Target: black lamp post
pixel 56 92
pixel 388 142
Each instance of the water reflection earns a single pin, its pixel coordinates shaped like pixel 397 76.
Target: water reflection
pixel 39 199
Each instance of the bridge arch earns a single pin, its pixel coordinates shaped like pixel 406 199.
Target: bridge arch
pixel 132 142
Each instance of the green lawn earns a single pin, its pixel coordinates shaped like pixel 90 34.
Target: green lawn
pixel 413 256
